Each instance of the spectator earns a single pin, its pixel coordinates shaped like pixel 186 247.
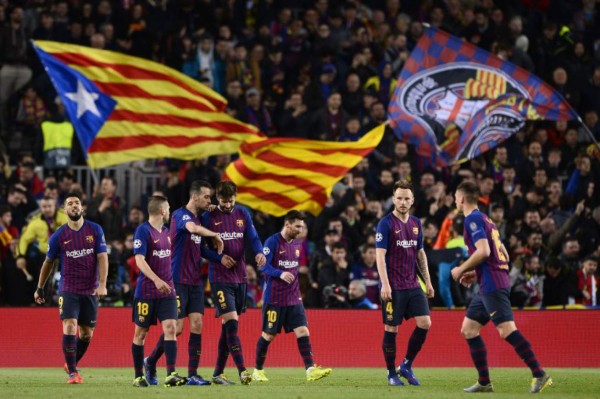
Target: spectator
pixel 526 283
pixel 366 272
pixel 560 284
pixel 33 243
pixel 335 269
pixel 588 282
pixel 570 254
pixel 357 296
pixel 107 209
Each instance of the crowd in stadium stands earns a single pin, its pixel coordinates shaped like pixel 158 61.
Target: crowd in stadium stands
pixel 324 70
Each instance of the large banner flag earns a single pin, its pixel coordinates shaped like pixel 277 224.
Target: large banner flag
pixel 280 174
pixel 126 108
pixel 455 101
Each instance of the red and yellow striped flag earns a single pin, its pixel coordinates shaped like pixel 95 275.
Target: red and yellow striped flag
pixel 159 111
pixel 277 175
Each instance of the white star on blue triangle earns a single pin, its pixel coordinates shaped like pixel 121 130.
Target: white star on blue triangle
pixel 87 107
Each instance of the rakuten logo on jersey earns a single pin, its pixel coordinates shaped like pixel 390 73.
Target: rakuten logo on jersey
pixel 226 236
pixel 196 238
pixel 406 243
pixel 163 253
pixel 78 253
pixel 288 264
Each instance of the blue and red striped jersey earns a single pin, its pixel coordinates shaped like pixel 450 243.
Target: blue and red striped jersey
pixel 282 256
pixel 402 242
pixel 492 273
pixel 186 249
pixel 78 252
pixel 234 228
pixel 156 248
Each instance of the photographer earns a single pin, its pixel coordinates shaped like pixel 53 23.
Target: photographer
pixel 335 297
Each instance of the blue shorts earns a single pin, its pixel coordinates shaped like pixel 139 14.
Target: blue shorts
pixel 229 297
pixel 404 305
pixel 288 317
pixel 84 308
pixel 493 306
pixel 190 299
pixel 147 311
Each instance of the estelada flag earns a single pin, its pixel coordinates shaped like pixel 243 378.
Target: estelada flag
pixel 276 175
pixel 127 108
pixel 454 101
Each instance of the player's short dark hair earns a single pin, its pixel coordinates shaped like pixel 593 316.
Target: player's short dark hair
pixel 226 189
pixel 155 203
pixel 73 194
pixel 198 185
pixel 470 191
pixel 293 215
pixel 404 185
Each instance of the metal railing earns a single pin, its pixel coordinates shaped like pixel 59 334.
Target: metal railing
pixel 133 182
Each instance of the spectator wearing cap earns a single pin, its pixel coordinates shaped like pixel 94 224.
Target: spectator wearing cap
pixel 588 282
pixel 560 284
pixel 256 113
pixel 319 90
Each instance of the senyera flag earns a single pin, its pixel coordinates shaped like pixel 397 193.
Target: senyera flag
pixel 454 101
pixel 127 108
pixel 275 175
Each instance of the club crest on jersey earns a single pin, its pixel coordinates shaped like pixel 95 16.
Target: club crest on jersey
pixel 240 222
pixel 415 230
pixel 142 319
pixel 89 238
pixel 297 253
pixel 270 325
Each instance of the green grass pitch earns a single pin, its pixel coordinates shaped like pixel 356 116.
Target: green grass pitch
pixel 344 383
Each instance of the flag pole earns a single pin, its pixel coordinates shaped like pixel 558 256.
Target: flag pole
pixel 588 131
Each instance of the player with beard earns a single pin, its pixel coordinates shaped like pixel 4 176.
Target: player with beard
pixel 81 246
pixel 399 251
pixel 154 297
pixel 283 306
pixel 228 283
pixel 186 260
